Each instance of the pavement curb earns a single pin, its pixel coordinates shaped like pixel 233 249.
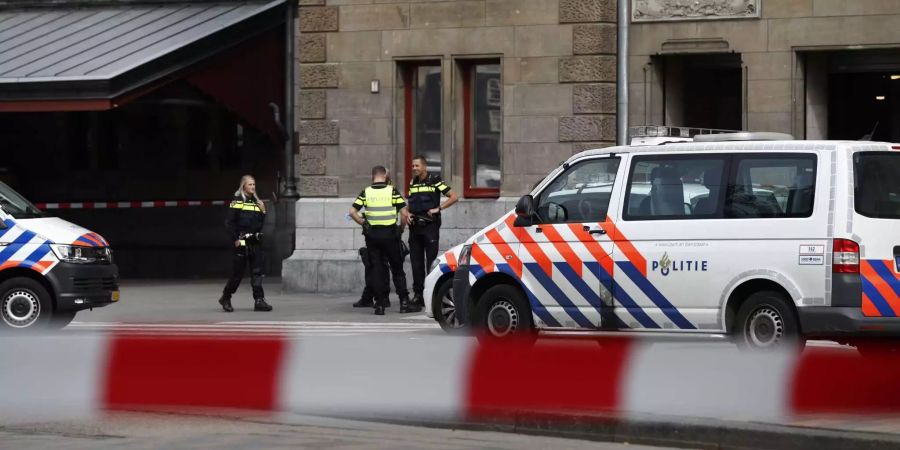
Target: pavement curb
pixel 682 433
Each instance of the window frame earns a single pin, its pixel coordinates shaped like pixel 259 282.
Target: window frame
pixel 725 177
pixel 467 68
pixel 566 169
pixel 408 72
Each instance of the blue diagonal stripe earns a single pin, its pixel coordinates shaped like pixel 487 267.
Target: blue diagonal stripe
pixel 537 308
pixel 605 278
pixel 655 296
pixel 622 297
pixel 476 270
pixel 36 256
pixel 15 245
pixel 592 296
pixel 885 272
pixel 557 294
pixel 9 226
pixel 880 303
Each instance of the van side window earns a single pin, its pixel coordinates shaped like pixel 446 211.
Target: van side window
pixel 580 194
pixel 771 186
pixel 675 187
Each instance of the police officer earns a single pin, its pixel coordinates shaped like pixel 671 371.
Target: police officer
pixel 382 230
pixel 367 300
pixel 246 216
pixel 424 219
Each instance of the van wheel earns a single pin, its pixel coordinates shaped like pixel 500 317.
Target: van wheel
pixel 62 319
pixel 767 321
pixel 503 312
pixel 24 303
pixel 444 309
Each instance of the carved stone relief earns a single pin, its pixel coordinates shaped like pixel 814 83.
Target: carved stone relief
pixel 664 10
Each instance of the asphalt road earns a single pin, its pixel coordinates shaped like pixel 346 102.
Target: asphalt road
pixel 136 430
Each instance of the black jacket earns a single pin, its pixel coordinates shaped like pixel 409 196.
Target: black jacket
pixel 244 216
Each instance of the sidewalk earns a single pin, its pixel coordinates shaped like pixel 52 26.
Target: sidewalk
pixel 197 301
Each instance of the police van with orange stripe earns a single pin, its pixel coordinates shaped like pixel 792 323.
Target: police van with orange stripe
pixel 49 268
pixel 754 235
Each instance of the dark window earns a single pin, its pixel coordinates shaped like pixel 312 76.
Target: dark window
pixel 675 187
pixel 580 194
pixel 771 186
pixel 423 110
pixel 876 178
pixel 483 125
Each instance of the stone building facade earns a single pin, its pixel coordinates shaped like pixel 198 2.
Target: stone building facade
pixel 817 69
pixel 495 92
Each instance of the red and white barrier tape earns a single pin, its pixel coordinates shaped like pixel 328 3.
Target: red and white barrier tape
pixel 127 205
pixel 435 376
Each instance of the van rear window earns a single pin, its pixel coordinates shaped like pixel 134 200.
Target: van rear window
pixel 876 178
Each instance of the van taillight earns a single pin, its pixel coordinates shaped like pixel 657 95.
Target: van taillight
pixel 846 256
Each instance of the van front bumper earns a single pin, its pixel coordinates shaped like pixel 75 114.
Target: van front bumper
pixel 834 322
pixel 84 286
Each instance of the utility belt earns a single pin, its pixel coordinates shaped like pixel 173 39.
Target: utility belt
pixel 370 230
pixel 250 239
pixel 423 220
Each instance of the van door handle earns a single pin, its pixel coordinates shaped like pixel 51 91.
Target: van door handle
pixel 597 231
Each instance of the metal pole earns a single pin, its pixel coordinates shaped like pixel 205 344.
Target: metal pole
pixel 290 61
pixel 622 78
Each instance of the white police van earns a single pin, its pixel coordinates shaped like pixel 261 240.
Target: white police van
pixel 755 235
pixel 49 268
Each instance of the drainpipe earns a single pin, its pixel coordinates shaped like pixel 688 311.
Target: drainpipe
pixel 290 181
pixel 622 77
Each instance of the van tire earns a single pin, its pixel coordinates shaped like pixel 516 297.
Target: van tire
pixel 766 321
pixel 503 312
pixel 443 300
pixel 24 303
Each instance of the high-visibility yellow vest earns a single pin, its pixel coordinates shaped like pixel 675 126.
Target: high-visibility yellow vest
pixel 380 209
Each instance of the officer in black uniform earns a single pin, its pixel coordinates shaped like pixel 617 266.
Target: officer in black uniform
pixel 246 215
pixel 382 230
pixel 424 219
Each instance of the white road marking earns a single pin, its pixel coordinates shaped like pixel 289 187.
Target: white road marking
pixel 255 328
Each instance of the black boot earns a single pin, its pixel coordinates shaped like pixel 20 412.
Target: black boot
pixel 261 305
pixel 379 310
pixel 418 300
pixel 406 306
pixel 364 303
pixel 225 301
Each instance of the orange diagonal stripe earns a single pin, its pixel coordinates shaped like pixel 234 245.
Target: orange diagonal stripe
pixel 505 250
pixel 451 260
pixel 625 245
pixel 487 265
pixel 594 247
pixel 881 286
pixel 531 246
pixel 563 248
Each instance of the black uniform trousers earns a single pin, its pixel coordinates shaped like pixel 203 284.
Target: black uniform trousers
pixel 384 243
pixel 423 249
pixel 369 290
pixel 253 254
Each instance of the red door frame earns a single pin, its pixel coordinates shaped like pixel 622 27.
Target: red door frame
pixel 408 71
pixel 470 191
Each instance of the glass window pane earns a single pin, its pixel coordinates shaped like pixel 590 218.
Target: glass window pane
pixel 772 186
pixel 581 194
pixel 427 134
pixel 487 123
pixel 877 182
pixel 675 188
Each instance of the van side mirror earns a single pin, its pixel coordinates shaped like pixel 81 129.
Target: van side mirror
pixel 525 211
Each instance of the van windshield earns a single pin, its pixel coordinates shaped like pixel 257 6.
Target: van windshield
pixel 876 180
pixel 16 205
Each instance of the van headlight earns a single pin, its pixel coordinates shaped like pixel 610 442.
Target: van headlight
pixel 464 255
pixel 82 255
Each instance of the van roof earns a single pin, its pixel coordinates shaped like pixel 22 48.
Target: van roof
pixel 764 146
